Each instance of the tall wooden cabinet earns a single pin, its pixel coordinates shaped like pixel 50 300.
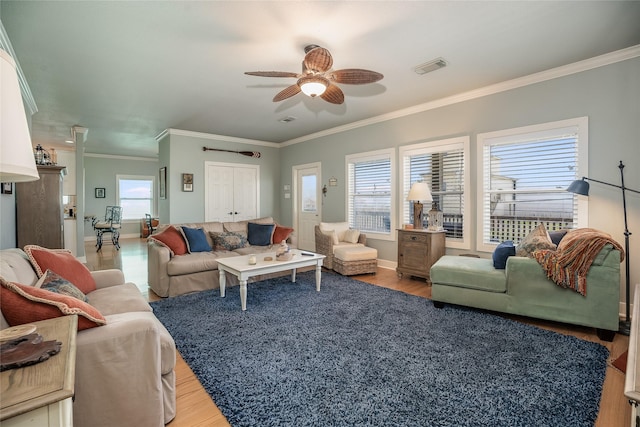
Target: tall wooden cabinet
pixel 39 210
pixel 418 250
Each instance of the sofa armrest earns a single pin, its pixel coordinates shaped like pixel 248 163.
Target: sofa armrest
pixel 107 278
pixel 157 260
pixel 324 246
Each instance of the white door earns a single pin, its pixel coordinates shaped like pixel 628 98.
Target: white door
pixel 307 204
pixel 231 192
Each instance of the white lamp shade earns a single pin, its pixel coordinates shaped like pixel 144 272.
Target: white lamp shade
pixel 17 163
pixel 313 85
pixel 420 192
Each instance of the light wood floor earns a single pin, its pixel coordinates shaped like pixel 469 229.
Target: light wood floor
pixel 195 407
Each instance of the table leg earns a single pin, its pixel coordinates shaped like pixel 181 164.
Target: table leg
pixel 223 283
pixel 243 294
pixel 318 276
pixel 293 276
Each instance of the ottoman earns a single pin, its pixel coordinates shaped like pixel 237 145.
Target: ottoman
pixel 355 260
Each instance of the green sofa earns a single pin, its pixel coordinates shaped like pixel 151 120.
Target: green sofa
pixel 524 289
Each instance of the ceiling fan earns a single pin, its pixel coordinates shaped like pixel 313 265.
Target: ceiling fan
pixel 317 77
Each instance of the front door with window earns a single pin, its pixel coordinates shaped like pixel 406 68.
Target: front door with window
pixel 307 204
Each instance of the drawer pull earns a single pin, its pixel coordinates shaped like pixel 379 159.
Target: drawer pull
pixel 413 237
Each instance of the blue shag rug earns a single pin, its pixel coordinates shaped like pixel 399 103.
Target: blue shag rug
pixel 356 354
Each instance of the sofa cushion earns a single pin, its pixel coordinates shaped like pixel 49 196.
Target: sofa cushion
pixel 281 233
pixel 260 234
pixel 228 241
pixel 193 263
pixel 55 283
pixel 467 272
pixel 242 226
pixel 557 235
pixel 196 239
pixel 24 304
pixel 122 298
pixel 351 236
pixel 537 240
pixel 172 239
pixel 503 251
pixel 345 245
pixel 62 262
pixel 339 227
pixel 333 235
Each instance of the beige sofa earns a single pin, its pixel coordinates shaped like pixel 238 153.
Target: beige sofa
pixel 171 275
pixel 124 369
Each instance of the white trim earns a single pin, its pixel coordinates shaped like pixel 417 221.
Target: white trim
pixel 295 169
pixel 441 146
pixel 118 157
pixel 389 153
pixel 154 202
pixel 554 73
pixel 541 129
pixel 224 138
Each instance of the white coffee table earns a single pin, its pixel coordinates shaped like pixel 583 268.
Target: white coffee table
pixel 239 266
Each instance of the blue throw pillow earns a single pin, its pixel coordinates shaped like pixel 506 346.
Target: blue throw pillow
pixel 196 239
pixel 260 234
pixel 503 251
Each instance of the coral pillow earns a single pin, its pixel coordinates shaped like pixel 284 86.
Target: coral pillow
pixel 63 263
pixel 171 238
pixel 22 304
pixel 281 233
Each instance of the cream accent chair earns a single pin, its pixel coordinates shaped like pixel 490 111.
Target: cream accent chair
pixel 332 235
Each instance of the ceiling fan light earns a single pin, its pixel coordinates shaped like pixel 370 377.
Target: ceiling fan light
pixel 313 86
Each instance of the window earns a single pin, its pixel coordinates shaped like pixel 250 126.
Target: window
pixel 443 165
pixel 370 193
pixel 135 195
pixel 523 176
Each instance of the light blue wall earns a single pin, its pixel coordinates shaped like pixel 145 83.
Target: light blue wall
pixel 100 172
pixel 609 96
pixel 184 154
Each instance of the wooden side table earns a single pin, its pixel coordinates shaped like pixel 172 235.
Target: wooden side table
pixel 40 395
pixel 418 250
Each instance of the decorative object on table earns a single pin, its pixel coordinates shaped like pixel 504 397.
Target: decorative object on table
pixel 268 258
pixel 187 182
pixel 100 193
pixel 419 193
pixel 318 79
pixel 15 332
pixel 17 162
pixel 581 187
pixel 26 350
pixel 283 253
pixel 43 157
pixel 252 259
pixel 255 154
pixel 435 218
pixel 7 188
pixel 163 182
pixel 405 374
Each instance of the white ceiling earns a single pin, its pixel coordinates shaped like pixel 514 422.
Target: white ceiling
pixel 128 70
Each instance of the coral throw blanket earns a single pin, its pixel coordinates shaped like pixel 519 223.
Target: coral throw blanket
pixel 569 264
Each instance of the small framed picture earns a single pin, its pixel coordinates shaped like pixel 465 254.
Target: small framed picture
pixel 7 188
pixel 187 182
pixel 163 182
pixel 100 193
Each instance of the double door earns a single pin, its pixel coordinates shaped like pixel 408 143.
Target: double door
pixel 232 192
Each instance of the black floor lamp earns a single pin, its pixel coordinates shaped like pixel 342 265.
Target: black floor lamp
pixel 582 187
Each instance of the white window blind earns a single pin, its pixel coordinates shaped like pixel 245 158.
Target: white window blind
pixel 135 195
pixel 443 165
pixel 370 189
pixel 525 174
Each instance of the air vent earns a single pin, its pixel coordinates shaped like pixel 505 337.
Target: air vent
pixel 430 66
pixel 287 119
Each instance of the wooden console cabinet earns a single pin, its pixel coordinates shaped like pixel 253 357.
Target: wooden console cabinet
pixel 39 210
pixel 418 250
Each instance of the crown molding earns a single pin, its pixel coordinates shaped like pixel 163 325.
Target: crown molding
pixel 554 73
pixel 116 157
pixel 25 90
pixel 215 137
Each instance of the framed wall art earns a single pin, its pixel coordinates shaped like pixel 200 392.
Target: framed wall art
pixel 163 182
pixel 100 193
pixel 187 182
pixel 7 188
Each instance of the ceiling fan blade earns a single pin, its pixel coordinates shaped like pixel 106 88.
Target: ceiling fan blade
pixel 354 76
pixel 271 74
pixel 333 94
pixel 318 59
pixel 287 93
